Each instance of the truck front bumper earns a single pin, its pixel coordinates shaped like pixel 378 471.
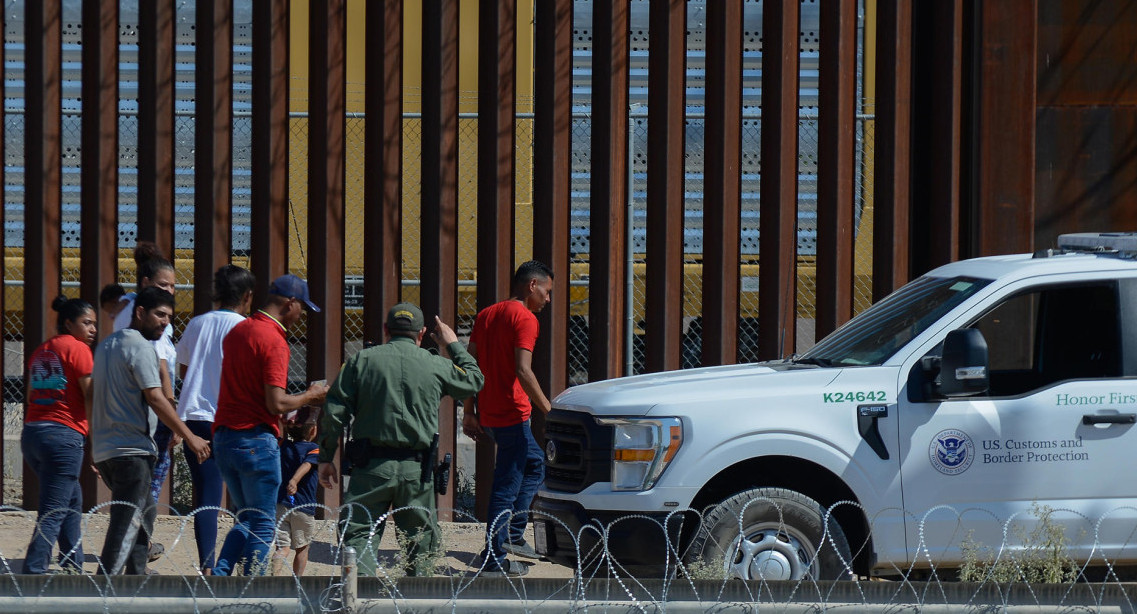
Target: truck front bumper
pixel 567 534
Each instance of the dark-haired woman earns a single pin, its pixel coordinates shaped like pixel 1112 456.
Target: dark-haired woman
pixel 153 270
pixel 54 432
pixel 199 354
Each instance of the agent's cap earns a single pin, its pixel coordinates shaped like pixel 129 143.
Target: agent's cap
pixel 405 318
pixel 291 286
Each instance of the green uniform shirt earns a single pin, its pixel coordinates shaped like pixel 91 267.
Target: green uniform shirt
pixel 393 391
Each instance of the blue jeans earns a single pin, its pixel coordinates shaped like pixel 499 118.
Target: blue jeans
pixel 249 461
pixel 55 453
pixel 518 472
pixel 207 485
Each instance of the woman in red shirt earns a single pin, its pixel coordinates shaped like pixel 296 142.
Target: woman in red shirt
pixel 54 433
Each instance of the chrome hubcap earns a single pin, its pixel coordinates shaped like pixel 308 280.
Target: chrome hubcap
pixel 769 554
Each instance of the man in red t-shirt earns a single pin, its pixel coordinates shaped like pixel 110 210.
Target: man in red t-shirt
pixel 251 400
pixel 502 341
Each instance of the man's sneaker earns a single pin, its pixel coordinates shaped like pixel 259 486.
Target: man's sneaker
pixel 156 552
pixel 508 569
pixel 523 550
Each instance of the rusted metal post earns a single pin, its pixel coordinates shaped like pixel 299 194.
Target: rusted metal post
pixel 213 147
pixel 835 164
pixel 383 151
pixel 552 152
pixel 722 187
pixel 270 143
pixel 937 93
pixel 327 40
pixel 497 62
pixel 892 171
pixel 1002 169
pixel 383 157
pixel 99 175
pixel 777 278
pixel 43 171
pixel 667 80
pixel 155 119
pixel 608 217
pixel 439 273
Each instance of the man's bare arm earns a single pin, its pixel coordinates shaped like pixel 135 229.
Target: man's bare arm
pixel 279 402
pixel 524 361
pixel 165 411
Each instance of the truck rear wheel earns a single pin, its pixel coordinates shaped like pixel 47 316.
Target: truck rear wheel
pixel 771 534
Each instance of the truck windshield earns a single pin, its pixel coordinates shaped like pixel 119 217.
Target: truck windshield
pixel 878 332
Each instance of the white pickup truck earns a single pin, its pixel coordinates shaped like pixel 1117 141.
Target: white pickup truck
pixel 936 416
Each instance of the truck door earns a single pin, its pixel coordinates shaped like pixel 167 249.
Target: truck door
pixel 1056 429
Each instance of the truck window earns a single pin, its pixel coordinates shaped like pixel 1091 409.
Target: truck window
pixel 878 332
pixel 1038 338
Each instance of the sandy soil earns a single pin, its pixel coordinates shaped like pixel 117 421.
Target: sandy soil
pixel 461 541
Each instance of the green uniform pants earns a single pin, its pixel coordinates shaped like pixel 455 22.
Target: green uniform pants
pixel 385 485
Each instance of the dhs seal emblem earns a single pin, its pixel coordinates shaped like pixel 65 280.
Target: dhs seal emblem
pixel 951 452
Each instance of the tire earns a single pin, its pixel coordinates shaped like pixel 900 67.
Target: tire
pixel 784 538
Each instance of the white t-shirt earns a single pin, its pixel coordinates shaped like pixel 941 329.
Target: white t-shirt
pixel 122 318
pixel 164 346
pixel 199 350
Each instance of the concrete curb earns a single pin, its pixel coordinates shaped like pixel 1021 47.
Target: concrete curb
pixel 176 594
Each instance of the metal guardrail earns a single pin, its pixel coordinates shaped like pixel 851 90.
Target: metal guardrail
pixel 607 587
pixel 193 595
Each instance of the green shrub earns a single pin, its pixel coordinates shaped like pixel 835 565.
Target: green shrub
pixel 181 485
pixel 702 569
pixel 464 496
pixel 1042 558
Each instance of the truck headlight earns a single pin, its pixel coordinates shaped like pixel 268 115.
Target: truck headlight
pixel 642 449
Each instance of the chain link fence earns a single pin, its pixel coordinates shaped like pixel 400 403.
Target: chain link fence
pixel 467 256
pixel 355 239
pixel 693 237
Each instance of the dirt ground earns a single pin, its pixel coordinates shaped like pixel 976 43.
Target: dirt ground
pixel 461 541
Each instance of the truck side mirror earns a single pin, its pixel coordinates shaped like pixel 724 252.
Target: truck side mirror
pixel 963 368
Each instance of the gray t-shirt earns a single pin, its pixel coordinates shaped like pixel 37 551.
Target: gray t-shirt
pixel 121 422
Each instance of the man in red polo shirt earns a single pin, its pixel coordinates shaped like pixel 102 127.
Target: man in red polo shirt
pixel 254 380
pixel 502 341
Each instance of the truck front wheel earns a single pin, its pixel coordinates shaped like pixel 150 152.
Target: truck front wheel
pixel 771 534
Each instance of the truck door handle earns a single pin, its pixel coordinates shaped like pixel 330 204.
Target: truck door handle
pixel 867 416
pixel 1109 419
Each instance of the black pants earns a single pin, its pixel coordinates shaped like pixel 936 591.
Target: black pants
pixel 131 516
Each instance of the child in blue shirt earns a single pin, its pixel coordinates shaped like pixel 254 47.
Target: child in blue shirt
pixel 296 501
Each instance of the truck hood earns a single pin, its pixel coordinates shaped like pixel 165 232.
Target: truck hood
pixel 663 393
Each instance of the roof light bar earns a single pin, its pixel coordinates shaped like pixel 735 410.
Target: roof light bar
pixel 1120 244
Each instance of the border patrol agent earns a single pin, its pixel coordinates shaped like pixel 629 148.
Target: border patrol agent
pixel 388 395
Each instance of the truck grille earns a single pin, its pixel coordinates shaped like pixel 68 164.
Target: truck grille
pixel 583 451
